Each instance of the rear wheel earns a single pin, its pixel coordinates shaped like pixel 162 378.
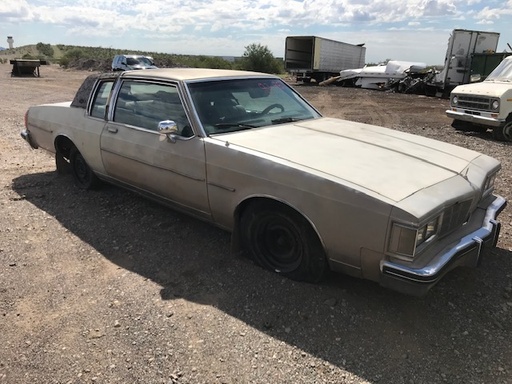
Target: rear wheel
pixel 281 240
pixel 62 164
pixel 82 174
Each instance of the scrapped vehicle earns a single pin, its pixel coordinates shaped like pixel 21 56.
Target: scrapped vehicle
pixel 132 62
pixel 301 194
pixel 486 105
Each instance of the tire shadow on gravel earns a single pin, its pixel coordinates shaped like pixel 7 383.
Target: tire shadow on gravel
pixel 379 335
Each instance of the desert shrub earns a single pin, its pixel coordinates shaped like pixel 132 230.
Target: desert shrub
pixel 207 62
pixel 71 56
pixel 258 57
pixel 75 54
pixel 45 49
pixel 64 62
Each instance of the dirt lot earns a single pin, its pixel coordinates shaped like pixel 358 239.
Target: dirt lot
pixel 106 287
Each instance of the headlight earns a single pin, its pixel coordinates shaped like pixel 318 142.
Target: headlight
pixel 495 105
pixel 426 232
pixel 455 100
pixel 405 241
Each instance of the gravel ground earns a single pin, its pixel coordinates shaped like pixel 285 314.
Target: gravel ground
pixel 106 287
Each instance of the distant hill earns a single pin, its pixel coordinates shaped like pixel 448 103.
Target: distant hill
pixel 99 58
pixel 2 49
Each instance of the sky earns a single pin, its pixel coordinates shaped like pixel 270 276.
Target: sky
pixel 409 30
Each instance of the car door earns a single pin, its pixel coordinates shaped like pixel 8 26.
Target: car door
pixel 134 153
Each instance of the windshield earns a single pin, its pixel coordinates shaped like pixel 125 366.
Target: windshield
pixel 141 60
pixel 145 61
pixel 503 72
pixel 232 105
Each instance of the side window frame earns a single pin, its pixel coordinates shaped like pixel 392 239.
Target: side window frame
pixel 99 89
pixel 145 106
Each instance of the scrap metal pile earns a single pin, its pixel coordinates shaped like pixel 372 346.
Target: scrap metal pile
pixel 396 76
pixel 470 57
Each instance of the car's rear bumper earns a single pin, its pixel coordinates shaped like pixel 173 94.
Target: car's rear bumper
pixel 25 134
pixel 466 252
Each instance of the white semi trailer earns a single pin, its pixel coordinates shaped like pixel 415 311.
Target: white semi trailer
pixel 462 46
pixel 317 58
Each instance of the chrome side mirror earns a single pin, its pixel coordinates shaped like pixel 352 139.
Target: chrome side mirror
pixel 168 129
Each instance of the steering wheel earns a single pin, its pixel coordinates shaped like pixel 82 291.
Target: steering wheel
pixel 271 107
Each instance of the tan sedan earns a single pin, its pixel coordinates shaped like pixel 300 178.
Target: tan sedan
pixel 301 193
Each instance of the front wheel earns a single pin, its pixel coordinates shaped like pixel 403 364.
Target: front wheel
pixel 503 133
pixel 281 240
pixel 82 174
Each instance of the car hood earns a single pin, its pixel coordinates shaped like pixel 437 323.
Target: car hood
pixel 485 88
pixel 389 163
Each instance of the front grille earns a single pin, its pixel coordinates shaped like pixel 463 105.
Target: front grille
pixel 474 102
pixel 454 217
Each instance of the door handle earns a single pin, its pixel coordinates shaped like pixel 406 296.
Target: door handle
pixel 112 129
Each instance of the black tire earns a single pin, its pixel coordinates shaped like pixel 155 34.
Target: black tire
pixel 497 134
pixel 507 131
pixel 82 174
pixel 281 240
pixel 503 133
pixel 62 164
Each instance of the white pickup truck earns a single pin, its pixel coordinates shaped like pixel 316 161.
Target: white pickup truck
pixel 486 105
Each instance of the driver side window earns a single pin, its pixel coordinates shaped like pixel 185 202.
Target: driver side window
pixel 145 105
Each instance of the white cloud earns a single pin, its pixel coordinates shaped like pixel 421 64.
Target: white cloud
pixel 172 15
pixel 227 26
pixel 495 13
pixel 15 11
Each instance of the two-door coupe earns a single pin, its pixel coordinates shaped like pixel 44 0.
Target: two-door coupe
pixel 301 193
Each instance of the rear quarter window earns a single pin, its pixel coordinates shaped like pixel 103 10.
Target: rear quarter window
pixel 99 103
pixel 82 95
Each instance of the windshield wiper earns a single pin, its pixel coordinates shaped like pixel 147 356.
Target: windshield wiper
pixel 234 125
pixel 286 120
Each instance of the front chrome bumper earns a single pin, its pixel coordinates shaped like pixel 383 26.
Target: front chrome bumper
pixel 466 252
pixel 475 119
